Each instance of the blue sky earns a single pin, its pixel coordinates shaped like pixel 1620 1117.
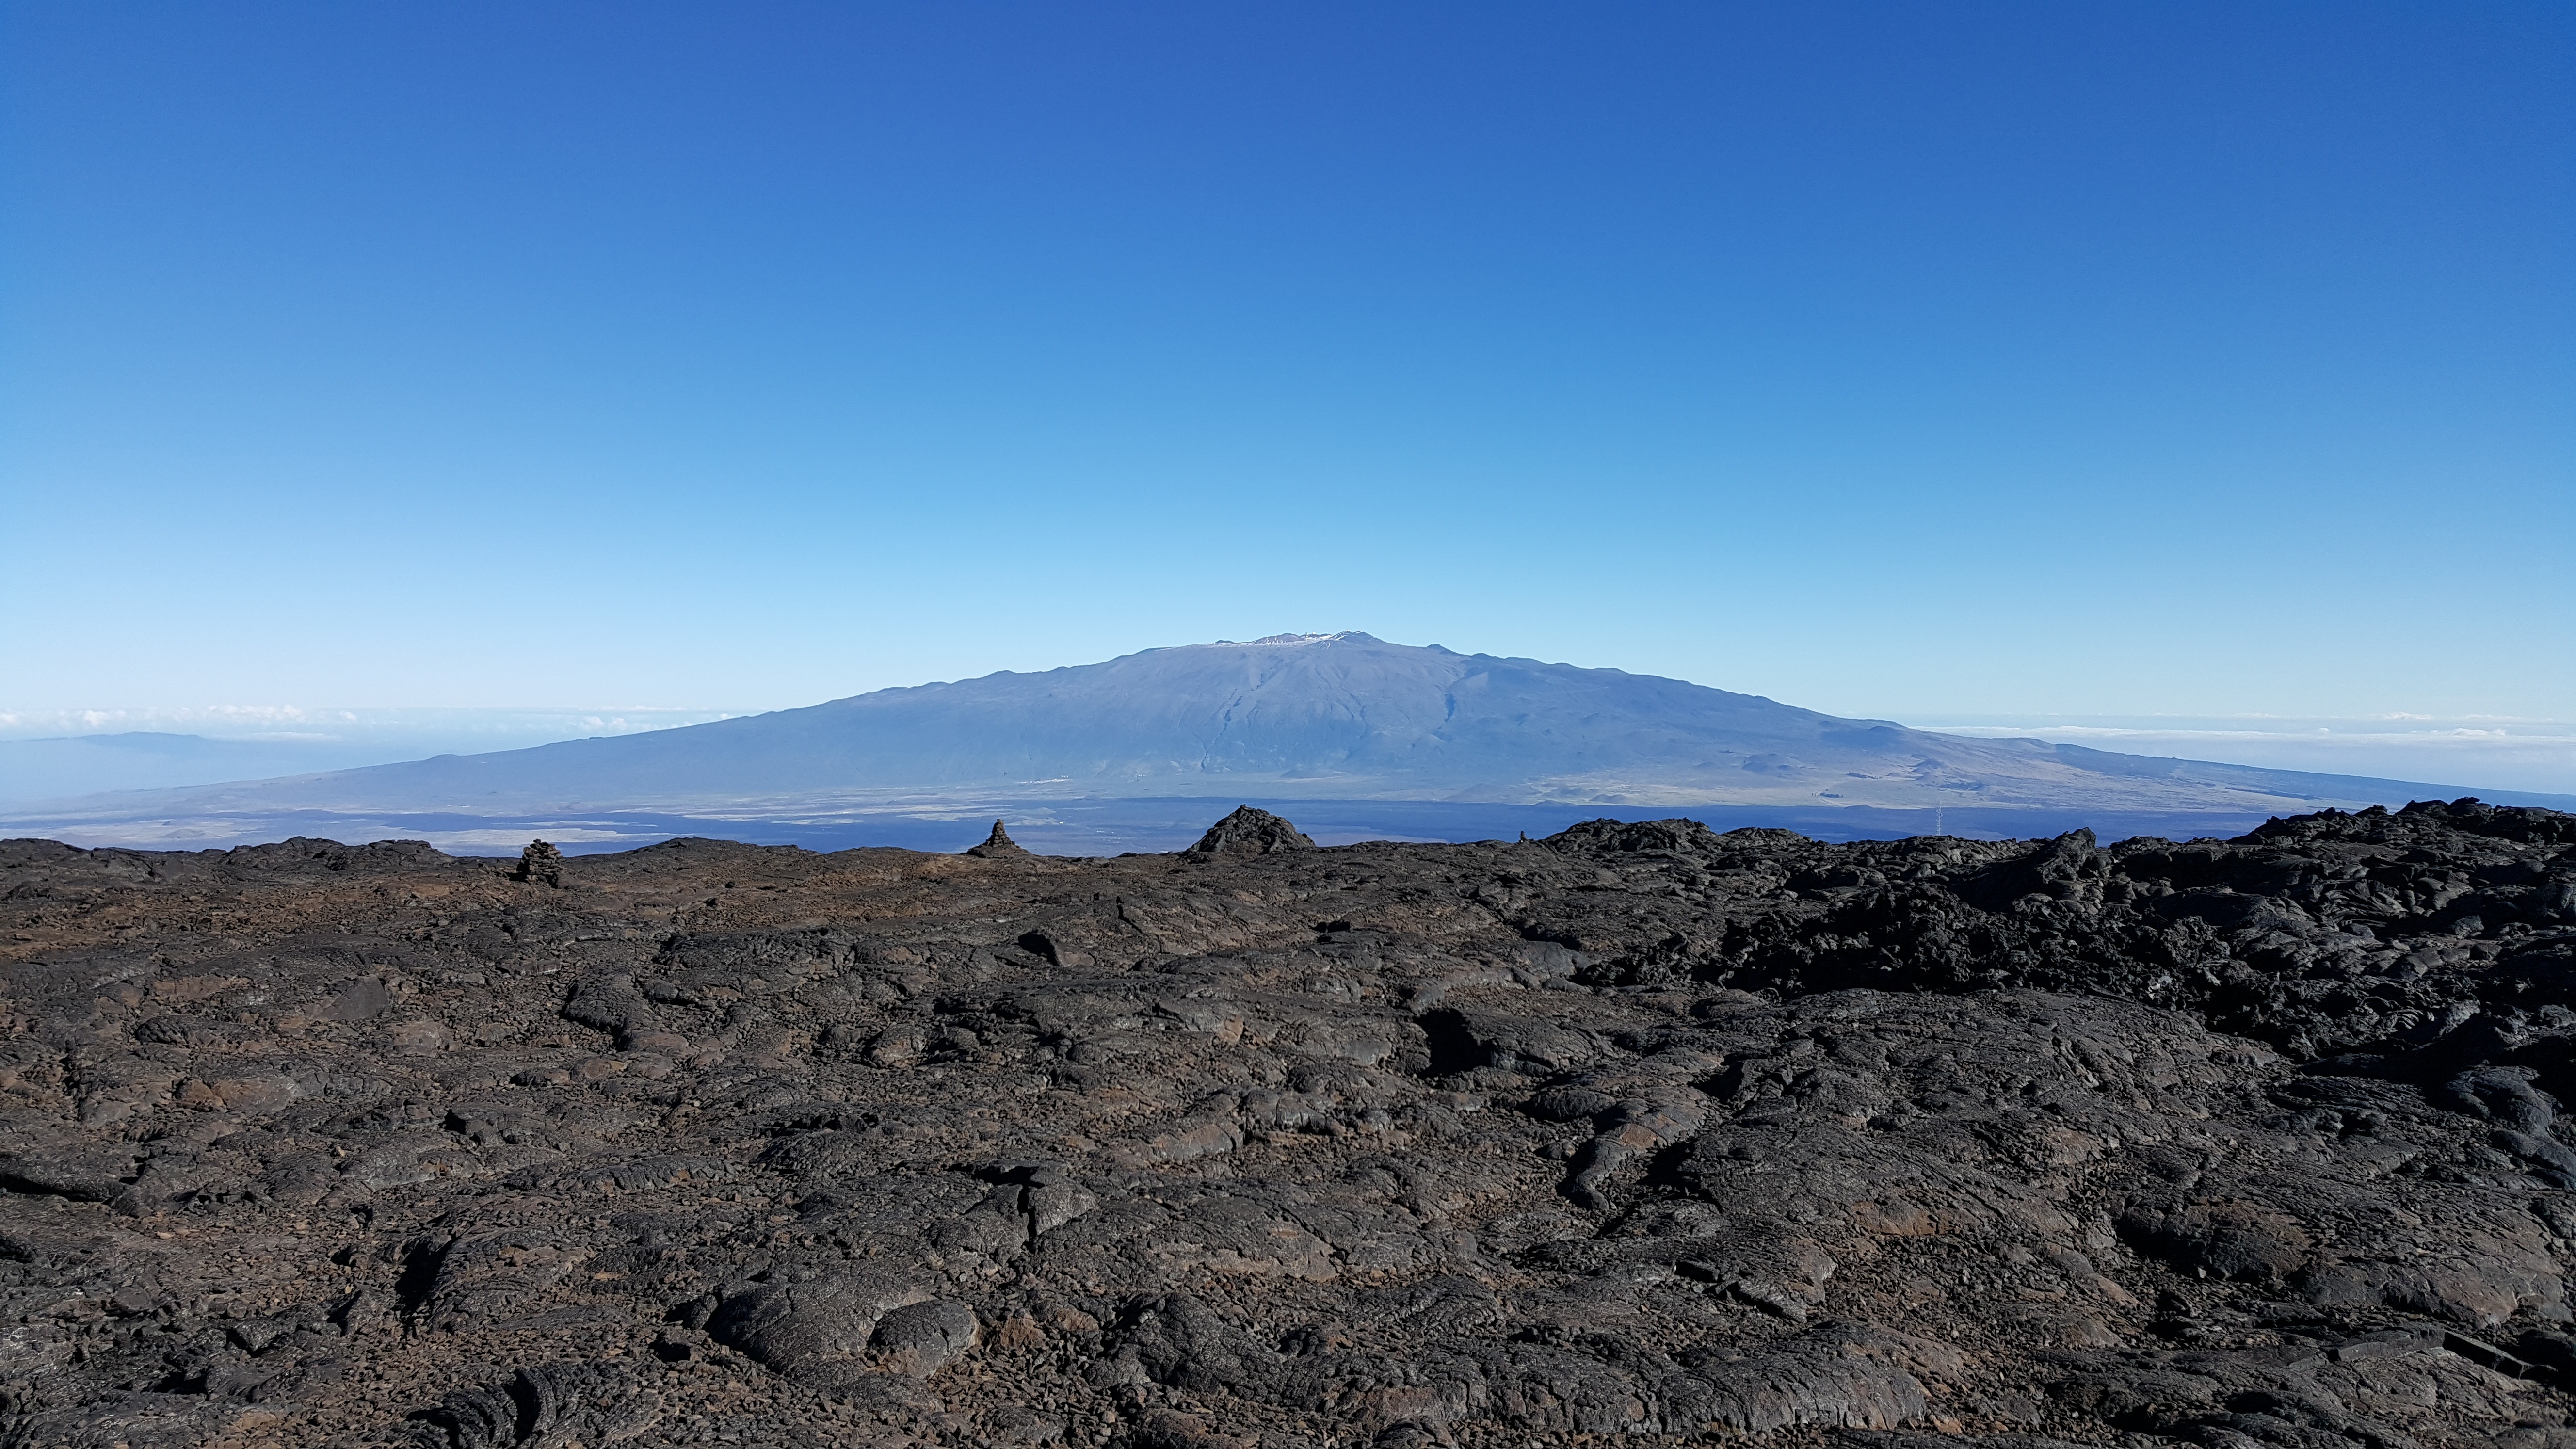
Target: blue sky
pixel 1895 360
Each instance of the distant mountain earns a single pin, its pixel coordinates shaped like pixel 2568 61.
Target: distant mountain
pixel 291 742
pixel 1343 717
pixel 63 766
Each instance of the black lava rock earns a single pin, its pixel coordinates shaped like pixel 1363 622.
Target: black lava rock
pixel 1642 1131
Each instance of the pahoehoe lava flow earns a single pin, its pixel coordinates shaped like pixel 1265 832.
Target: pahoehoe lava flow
pixel 1639 1130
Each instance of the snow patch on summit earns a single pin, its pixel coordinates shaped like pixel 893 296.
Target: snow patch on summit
pixel 1347 636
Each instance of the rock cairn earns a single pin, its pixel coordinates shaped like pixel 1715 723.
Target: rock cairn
pixel 541 863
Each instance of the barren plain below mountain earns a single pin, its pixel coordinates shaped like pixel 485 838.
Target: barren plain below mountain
pixel 1639 1132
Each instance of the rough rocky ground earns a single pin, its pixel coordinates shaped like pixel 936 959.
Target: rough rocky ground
pixel 1636 1131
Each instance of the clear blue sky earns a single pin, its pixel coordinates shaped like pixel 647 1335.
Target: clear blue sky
pixel 1885 359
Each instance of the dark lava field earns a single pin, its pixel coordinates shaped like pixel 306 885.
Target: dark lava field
pixel 1636 1132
